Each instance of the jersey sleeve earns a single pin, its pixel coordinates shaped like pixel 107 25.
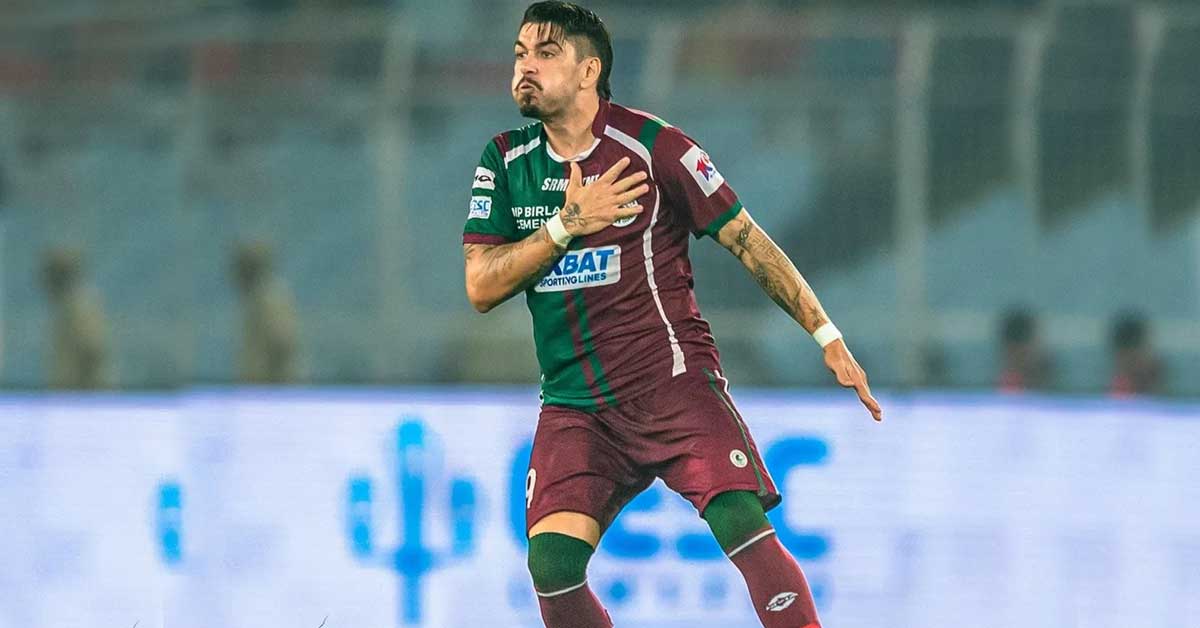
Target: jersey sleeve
pixel 489 214
pixel 690 182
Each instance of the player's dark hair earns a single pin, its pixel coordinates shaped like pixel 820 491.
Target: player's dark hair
pixel 572 21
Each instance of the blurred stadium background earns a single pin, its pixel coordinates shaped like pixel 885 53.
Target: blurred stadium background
pixel 990 198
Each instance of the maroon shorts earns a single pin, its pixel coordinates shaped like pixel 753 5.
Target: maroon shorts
pixel 689 434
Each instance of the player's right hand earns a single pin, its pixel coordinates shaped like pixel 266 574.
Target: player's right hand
pixel 590 208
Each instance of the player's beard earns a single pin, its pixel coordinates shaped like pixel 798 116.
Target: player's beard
pixel 529 108
pixel 537 105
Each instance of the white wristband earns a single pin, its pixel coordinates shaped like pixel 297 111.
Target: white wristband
pixel 558 231
pixel 826 334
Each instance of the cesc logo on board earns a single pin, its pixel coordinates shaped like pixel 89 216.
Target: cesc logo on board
pixel 413 557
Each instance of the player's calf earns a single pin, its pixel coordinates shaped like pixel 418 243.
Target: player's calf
pixel 777 586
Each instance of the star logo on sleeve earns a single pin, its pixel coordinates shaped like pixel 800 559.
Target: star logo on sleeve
pixel 702 170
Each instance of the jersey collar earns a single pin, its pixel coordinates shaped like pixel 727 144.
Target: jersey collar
pixel 601 119
pixel 598 125
pixel 580 157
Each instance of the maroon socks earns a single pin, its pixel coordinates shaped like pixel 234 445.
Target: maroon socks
pixel 777 586
pixel 576 607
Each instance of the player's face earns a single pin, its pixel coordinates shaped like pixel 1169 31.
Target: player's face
pixel 546 73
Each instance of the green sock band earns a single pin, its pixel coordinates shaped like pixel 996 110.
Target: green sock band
pixel 734 517
pixel 558 561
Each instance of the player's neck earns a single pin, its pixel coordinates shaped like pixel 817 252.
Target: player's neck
pixel 571 133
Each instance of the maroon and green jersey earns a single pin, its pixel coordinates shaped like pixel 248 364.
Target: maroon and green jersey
pixel 616 316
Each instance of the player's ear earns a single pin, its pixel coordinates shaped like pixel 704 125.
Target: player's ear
pixel 591 72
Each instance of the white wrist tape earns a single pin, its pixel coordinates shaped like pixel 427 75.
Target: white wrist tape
pixel 826 334
pixel 558 231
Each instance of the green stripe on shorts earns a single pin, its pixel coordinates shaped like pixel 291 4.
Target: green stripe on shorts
pixel 712 383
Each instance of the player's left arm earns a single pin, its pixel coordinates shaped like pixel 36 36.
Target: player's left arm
pixel 781 281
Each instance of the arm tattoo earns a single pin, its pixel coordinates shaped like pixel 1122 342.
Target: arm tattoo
pixel 743 235
pixel 497 260
pixel 543 268
pixel 777 275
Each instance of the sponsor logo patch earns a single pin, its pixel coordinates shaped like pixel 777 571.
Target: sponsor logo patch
pixel 531 217
pixel 697 163
pixel 560 185
pixel 585 268
pixel 484 179
pixel 481 207
pixel 780 602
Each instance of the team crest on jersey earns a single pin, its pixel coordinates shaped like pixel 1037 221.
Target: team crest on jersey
pixel 697 163
pixel 628 220
pixel 585 268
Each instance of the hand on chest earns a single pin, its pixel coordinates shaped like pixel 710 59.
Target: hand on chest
pixel 543 193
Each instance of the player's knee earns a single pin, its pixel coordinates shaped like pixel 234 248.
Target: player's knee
pixel 734 517
pixel 557 561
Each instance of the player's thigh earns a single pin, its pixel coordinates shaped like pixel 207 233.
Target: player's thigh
pixel 712 450
pixel 572 524
pixel 579 476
